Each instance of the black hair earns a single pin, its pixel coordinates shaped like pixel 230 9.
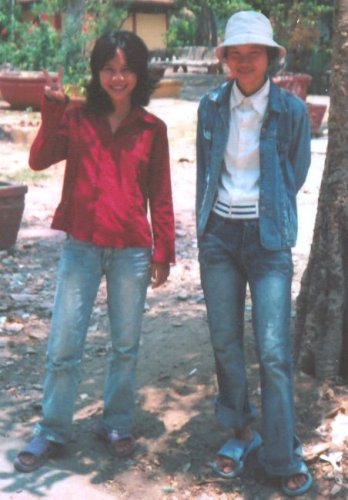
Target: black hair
pixel 275 62
pixel 137 56
pixel 273 55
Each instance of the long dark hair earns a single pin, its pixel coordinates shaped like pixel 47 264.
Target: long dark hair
pixel 137 56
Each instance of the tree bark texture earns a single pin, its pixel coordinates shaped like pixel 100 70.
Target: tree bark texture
pixel 321 330
pixel 206 31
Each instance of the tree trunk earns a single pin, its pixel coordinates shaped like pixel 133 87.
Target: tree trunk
pixel 206 31
pixel 321 332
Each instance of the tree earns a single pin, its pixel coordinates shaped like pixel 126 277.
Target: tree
pixel 321 333
pixel 207 14
pixel 287 14
pixel 26 45
pixel 83 22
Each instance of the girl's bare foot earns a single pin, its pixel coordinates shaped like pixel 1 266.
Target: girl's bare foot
pixel 296 481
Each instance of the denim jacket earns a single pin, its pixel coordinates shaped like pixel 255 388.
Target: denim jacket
pixel 284 161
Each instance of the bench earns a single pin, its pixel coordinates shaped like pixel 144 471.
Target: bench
pixel 195 56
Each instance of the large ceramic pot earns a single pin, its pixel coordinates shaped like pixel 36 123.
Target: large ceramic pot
pixel 12 198
pixel 297 83
pixel 168 87
pixel 316 113
pixel 23 89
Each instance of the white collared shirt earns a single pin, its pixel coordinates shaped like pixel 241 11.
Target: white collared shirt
pixel 239 180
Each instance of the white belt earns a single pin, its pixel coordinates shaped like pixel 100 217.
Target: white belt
pixel 244 210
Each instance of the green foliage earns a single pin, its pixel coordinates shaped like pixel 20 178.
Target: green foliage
pixel 41 43
pixel 73 53
pixel 221 8
pixel 26 45
pixel 186 24
pixel 225 8
pixel 303 27
pixel 81 28
pixel 32 45
pixel 182 30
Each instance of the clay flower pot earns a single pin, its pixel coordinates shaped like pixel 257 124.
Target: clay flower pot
pixel 297 83
pixel 316 113
pixel 11 211
pixel 168 87
pixel 23 89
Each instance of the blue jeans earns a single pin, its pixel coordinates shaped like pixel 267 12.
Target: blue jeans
pixel 231 257
pixel 81 268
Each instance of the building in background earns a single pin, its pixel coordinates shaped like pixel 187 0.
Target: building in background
pixel 149 19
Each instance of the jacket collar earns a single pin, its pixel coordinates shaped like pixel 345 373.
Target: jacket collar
pixel 139 113
pixel 258 101
pixel 221 96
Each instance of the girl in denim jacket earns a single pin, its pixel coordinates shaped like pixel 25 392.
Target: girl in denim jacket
pixel 253 155
pixel 117 170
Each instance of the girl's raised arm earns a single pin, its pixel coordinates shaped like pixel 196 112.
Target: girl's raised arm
pixel 54 88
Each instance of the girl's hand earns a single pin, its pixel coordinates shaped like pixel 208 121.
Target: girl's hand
pixel 159 273
pixel 54 88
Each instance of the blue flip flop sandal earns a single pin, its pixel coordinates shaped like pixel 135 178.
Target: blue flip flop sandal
pixel 112 438
pixel 294 492
pixel 41 449
pixel 238 451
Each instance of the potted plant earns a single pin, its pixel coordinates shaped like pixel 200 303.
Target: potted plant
pixel 22 89
pixel 31 38
pixel 25 47
pixel 12 197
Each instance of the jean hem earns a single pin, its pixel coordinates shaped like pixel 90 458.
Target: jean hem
pixel 49 435
pixel 229 419
pixel 281 471
pixel 121 429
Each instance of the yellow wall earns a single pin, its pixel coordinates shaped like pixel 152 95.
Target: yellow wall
pixel 150 27
pixel 128 24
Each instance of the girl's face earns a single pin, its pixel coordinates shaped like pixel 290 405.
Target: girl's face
pixel 117 79
pixel 248 64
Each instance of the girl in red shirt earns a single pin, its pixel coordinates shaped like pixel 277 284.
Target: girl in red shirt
pixel 117 168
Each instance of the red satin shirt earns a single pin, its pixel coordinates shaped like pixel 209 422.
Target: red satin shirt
pixel 111 179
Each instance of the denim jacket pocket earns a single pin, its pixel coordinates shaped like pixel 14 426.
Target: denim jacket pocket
pixel 207 134
pixel 289 225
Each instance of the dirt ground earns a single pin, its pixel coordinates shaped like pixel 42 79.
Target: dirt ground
pixel 175 426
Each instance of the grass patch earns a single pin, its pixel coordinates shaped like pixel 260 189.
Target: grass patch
pixel 28 176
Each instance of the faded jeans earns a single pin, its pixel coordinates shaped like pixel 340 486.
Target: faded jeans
pixel 231 257
pixel 81 268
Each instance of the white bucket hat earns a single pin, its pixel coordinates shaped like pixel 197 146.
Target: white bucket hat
pixel 248 27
